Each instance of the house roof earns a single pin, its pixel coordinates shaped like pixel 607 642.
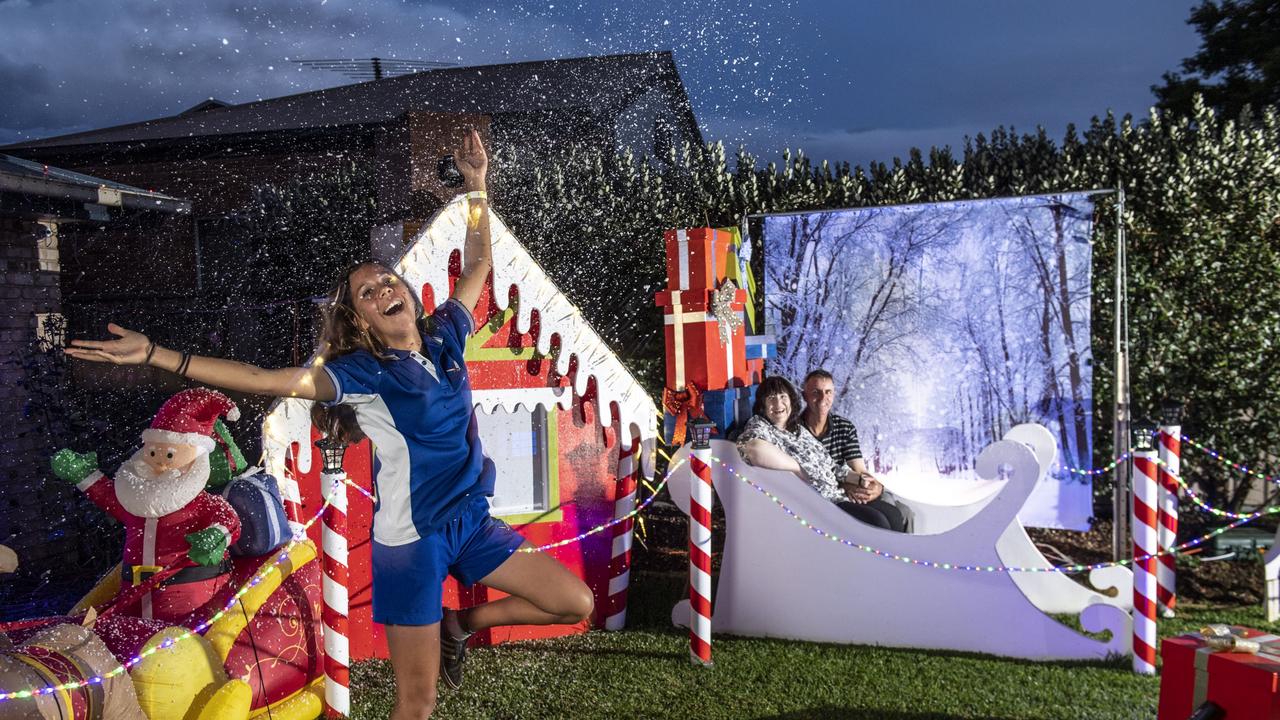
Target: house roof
pixel 590 83
pixel 426 263
pixel 24 176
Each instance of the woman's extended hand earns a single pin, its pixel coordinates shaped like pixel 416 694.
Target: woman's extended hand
pixel 130 348
pixel 472 161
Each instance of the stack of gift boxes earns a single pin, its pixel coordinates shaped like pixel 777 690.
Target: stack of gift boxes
pixel 1236 669
pixel 701 261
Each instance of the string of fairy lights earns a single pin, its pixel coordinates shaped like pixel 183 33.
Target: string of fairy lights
pixel 167 643
pixel 1237 520
pixel 1064 569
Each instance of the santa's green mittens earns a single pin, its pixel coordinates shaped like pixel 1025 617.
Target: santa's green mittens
pixel 207 546
pixel 72 466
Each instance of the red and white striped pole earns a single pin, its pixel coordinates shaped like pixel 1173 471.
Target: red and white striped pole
pixel 333 534
pixel 1170 453
pixel 1145 547
pixel 629 469
pixel 700 500
pixel 291 497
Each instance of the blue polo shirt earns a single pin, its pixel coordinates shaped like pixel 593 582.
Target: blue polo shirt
pixel 417 411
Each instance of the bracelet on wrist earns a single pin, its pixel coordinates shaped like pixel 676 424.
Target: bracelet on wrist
pixel 151 348
pixel 477 195
pixel 181 370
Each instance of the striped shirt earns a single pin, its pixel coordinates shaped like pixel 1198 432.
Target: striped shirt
pixel 841 441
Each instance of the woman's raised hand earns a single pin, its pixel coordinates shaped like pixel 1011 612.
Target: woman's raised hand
pixel 472 161
pixel 129 347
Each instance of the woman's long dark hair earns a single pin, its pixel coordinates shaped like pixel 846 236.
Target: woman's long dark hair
pixel 778 385
pixel 341 333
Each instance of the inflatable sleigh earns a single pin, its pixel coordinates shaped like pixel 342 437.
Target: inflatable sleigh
pixel 779 578
pixel 260 658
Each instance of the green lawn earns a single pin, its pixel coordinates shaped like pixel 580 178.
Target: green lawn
pixel 645 673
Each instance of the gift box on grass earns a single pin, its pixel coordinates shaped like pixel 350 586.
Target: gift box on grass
pixel 1199 668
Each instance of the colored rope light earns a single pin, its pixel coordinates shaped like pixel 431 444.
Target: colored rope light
pixel 605 526
pixel 1064 569
pixel 1096 471
pixel 1235 465
pixel 170 642
pixel 281 557
pixel 1206 506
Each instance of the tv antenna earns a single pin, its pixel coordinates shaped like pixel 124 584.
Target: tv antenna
pixel 374 68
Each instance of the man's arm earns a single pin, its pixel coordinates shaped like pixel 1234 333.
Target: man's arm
pixel 868 489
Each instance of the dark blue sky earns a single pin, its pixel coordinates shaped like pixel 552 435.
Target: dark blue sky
pixel 848 80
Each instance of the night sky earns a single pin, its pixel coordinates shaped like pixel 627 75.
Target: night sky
pixel 846 80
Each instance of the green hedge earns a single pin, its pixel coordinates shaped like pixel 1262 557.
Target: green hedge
pixel 1202 218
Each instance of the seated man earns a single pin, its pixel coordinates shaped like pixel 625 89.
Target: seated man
pixel 840 439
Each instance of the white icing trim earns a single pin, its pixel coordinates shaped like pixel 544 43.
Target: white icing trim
pixel 427 263
pixel 487 401
pixel 288 422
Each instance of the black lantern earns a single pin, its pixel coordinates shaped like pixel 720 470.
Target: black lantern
pixel 1171 412
pixel 701 430
pixel 331 452
pixel 1144 432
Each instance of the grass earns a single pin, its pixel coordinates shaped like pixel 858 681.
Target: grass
pixel 645 673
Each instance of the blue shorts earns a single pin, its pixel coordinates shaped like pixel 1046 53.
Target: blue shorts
pixel 408 579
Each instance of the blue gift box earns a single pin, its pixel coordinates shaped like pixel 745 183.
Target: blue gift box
pixel 729 409
pixel 760 347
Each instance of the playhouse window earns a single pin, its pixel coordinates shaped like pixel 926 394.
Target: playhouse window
pixel 520 445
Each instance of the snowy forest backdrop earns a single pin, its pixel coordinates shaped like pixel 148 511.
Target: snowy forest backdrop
pixel 944 325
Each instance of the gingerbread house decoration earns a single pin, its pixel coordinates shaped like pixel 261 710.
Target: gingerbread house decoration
pixel 569 428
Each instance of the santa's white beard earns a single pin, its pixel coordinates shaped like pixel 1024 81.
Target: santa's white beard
pixel 146 493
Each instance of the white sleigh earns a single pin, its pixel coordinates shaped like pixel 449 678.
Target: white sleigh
pixel 779 578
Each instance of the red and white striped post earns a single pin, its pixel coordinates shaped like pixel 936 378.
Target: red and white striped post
pixel 700 500
pixel 1145 548
pixel 291 497
pixel 629 469
pixel 1170 454
pixel 337 653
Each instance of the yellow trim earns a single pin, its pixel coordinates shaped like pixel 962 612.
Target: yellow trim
pixel 305 704
pixel 50 677
pixel 107 588
pixel 476 350
pixel 232 700
pixel 555 513
pixel 222 634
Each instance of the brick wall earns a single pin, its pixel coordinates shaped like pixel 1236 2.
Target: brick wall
pixel 33 511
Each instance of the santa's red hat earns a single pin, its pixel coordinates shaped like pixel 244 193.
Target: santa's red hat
pixel 187 418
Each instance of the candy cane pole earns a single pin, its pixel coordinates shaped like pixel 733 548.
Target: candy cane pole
pixel 1145 547
pixel 291 497
pixel 1170 453
pixel 337 653
pixel 700 499
pixel 620 563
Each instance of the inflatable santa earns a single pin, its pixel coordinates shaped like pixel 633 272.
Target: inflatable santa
pixel 173 528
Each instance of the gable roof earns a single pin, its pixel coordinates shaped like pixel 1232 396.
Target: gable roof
pixel 426 263
pixel 595 83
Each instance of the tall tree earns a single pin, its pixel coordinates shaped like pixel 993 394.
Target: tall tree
pixel 1238 62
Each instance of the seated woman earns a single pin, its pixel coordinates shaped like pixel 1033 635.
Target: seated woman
pixel 774 438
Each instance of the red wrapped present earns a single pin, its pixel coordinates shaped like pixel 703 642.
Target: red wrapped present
pixel 697 258
pixel 1237 669
pixel 705 337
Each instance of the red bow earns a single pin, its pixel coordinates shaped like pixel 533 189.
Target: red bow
pixel 682 405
